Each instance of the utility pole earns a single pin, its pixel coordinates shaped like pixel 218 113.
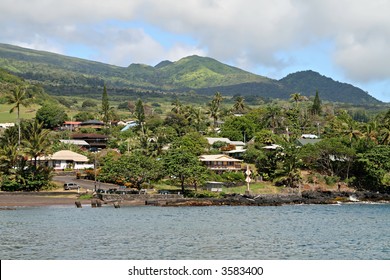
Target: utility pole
pixel 248 180
pixel 95 170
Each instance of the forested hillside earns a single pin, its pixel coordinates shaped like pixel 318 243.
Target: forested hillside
pixel 63 75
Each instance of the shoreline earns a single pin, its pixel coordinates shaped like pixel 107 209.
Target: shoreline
pixel 305 198
pixel 40 199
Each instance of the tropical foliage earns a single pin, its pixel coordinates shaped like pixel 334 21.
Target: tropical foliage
pixel 353 146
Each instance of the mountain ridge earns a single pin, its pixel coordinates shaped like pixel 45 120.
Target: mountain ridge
pixel 59 73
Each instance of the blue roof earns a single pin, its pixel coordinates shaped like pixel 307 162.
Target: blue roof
pixel 129 125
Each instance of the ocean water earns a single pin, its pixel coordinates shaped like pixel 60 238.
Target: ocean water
pixel 297 232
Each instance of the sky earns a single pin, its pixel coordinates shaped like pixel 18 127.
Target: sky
pixel 346 40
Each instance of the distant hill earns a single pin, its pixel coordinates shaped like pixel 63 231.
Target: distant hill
pixel 8 82
pixel 307 82
pixel 60 74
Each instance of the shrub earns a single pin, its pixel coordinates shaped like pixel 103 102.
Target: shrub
pixel 331 180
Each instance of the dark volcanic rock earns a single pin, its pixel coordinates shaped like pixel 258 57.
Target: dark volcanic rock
pixel 306 197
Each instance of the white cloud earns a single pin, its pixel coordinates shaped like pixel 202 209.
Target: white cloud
pixel 130 45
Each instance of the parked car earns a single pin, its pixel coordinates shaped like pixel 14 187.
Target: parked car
pixel 71 186
pixel 163 192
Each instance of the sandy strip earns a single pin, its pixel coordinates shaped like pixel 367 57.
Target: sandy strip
pixel 32 200
pixel 9 200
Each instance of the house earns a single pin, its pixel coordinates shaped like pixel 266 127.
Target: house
pixel 236 153
pixel 96 141
pixel 80 143
pixel 309 136
pixel 234 148
pixel 66 159
pixel 221 162
pixel 6 125
pixel 214 186
pixel 272 147
pixel 212 140
pixel 70 125
pixel 95 124
pixel 129 125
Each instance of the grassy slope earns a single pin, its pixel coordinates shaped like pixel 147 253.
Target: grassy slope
pixel 53 69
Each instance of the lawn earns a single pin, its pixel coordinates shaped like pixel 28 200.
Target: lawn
pixel 255 188
pixel 25 113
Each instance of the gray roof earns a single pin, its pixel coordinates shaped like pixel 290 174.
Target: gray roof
pixel 212 140
pixel 303 141
pixel 75 142
pixel 92 122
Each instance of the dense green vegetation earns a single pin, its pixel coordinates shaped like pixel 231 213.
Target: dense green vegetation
pixel 165 146
pixel 194 75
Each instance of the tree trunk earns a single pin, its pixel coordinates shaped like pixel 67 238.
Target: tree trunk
pixel 19 136
pixel 182 184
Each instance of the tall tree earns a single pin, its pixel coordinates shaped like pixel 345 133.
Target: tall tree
pixel 19 97
pixel 105 107
pixel 135 168
pixel 215 106
pixel 349 128
pixel 273 117
pixel 140 116
pixel 195 117
pixel 182 165
pixel 51 115
pixel 372 169
pixel 218 98
pixel 330 156
pixel 139 111
pixel 316 107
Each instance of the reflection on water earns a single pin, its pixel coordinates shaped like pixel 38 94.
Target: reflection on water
pixel 288 232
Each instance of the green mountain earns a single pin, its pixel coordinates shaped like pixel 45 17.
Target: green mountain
pixel 60 74
pixel 308 82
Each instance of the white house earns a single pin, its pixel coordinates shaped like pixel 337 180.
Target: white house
pixel 6 125
pixel 67 159
pixel 221 162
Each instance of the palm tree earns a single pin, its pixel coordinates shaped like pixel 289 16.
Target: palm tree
pixel 385 135
pixel 214 107
pixel 384 129
pixel 214 111
pixel 296 97
pixel 37 142
pixel 218 98
pixel 239 105
pixel 195 117
pixel 371 132
pixel 177 106
pixel 19 97
pixel 349 127
pixel 273 116
pixel 9 155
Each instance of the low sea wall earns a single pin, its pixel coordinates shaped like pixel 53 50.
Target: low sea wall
pixel 306 197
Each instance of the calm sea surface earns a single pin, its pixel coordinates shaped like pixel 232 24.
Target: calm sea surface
pixel 299 232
